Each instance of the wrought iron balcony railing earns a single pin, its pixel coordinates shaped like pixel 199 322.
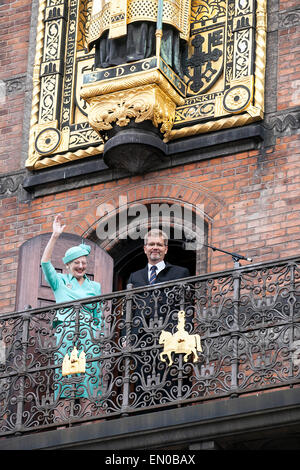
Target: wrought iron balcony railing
pixel 248 321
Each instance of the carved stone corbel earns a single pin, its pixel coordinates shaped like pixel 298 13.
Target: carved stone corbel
pixel 140 104
pixel 146 101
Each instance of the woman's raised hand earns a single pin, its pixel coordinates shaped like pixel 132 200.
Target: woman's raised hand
pixel 58 228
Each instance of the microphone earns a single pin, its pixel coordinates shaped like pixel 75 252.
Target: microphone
pixel 237 256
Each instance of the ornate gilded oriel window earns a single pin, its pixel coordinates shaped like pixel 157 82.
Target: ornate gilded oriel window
pixel 223 71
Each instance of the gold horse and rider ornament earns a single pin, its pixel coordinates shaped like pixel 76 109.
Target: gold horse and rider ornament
pixel 180 342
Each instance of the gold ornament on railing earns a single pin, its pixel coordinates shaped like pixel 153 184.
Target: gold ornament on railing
pixel 74 364
pixel 180 342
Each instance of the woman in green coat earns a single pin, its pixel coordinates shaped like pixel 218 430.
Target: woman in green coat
pixel 68 287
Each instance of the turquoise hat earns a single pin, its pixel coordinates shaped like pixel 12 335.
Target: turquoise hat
pixel 76 252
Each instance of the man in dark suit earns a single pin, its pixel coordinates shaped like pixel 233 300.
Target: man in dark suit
pixel 152 312
pixel 155 248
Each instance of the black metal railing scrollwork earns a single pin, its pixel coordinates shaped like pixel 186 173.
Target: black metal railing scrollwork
pixel 240 333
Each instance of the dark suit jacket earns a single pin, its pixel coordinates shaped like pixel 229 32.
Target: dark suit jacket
pixel 140 278
pixel 169 273
pixel 143 311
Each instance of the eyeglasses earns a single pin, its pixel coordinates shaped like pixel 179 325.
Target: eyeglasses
pixel 151 244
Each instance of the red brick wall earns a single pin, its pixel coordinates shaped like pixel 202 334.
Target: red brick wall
pixel 14 41
pixel 251 200
pixel 288 70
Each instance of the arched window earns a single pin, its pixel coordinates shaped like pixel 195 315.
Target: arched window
pixel 126 248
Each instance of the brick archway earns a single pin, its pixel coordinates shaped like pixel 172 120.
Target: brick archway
pixel 148 191
pixel 129 254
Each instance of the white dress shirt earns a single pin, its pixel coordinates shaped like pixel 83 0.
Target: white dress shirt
pixel 160 266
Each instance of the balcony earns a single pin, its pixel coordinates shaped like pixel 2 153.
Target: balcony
pixel 247 320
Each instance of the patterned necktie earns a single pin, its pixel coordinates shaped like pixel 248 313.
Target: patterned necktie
pixel 153 274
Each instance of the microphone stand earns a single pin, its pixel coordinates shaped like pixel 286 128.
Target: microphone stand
pixel 235 256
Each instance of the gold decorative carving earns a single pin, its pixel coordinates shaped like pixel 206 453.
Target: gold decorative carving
pixel 210 126
pixel 85 12
pixel 118 101
pixel 49 43
pixel 237 98
pixel 73 364
pixel 212 104
pixel 233 36
pixel 260 53
pixel 140 104
pixel 118 18
pixel 139 79
pixel 68 157
pixel 32 156
pixel 175 13
pixel 180 342
pixel 47 140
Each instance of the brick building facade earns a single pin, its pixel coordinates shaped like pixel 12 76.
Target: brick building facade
pixel 246 181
